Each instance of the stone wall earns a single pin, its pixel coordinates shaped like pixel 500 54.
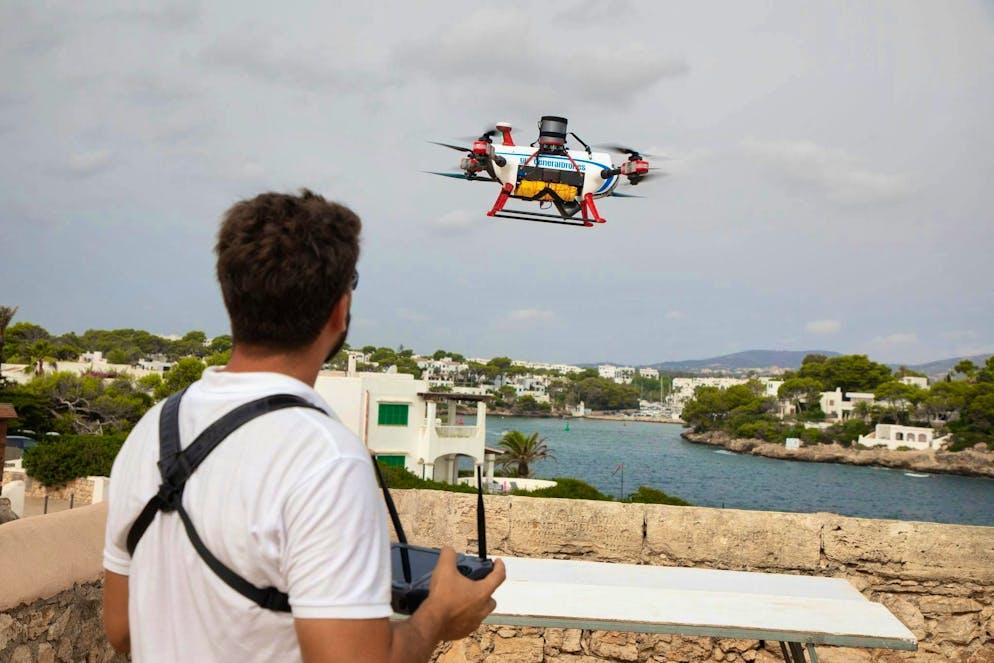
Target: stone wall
pixel 937 579
pixel 50 588
pixel 65 627
pixel 81 490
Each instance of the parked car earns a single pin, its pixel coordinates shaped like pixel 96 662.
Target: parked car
pixel 21 442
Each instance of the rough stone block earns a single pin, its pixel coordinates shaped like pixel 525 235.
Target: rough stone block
pixel 843 655
pixel 955 629
pixel 614 645
pixel 912 550
pixel 22 654
pixel 984 655
pixel 730 538
pixel 436 518
pixel 526 649
pixel 606 531
pixel 10 630
pixel 571 640
pixel 46 653
pixel 906 612
pixel 948 605
pixel 466 650
pixel 58 627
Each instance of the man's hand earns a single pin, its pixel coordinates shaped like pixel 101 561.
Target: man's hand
pixel 457 605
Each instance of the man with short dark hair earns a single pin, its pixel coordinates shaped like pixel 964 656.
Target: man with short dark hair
pixel 288 502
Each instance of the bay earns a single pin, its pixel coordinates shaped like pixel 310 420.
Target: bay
pixel 655 455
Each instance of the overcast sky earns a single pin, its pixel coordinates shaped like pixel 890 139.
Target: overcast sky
pixel 831 169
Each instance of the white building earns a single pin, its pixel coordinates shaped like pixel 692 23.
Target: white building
pixel 620 374
pixel 651 373
pixel 406 425
pixel 915 381
pixel 561 368
pixel 94 357
pixel 441 367
pixel 684 388
pixel 839 407
pixel 893 436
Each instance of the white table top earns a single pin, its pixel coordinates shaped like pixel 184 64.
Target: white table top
pixel 729 604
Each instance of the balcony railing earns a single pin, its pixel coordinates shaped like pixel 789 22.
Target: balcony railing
pixel 455 431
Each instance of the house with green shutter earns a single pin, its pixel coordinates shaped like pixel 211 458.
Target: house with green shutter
pixel 405 424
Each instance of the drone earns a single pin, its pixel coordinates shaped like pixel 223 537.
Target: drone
pixel 548 172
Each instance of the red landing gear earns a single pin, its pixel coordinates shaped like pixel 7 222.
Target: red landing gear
pixel 505 193
pixel 587 206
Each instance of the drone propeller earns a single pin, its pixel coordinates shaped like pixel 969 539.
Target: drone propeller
pixel 460 176
pixel 621 194
pixel 486 134
pixel 452 147
pixel 631 152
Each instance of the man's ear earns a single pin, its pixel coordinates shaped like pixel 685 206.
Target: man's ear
pixel 338 321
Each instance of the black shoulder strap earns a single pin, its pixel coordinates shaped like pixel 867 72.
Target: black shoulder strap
pixel 176 465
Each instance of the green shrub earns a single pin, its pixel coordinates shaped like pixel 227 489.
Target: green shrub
pixel 573 489
pixel 763 430
pixel 58 460
pixel 647 495
pixel 401 478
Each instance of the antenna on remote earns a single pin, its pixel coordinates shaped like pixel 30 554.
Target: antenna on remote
pixel 481 519
pixel 405 556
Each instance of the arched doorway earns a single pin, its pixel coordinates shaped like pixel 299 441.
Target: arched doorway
pixel 447 468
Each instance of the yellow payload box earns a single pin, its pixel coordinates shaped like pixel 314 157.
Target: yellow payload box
pixel 529 188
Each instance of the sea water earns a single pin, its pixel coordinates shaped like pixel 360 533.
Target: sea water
pixel 655 455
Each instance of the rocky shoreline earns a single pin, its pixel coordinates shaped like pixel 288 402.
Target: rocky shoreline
pixel 969 462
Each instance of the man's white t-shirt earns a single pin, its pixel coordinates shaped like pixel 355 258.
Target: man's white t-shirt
pixel 289 500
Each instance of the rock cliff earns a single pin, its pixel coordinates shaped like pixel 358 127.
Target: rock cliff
pixel 970 462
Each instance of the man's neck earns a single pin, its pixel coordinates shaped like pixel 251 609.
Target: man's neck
pixel 302 365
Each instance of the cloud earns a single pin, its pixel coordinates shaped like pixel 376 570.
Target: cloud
pixel 84 164
pixel 675 315
pixel 839 176
pixel 823 327
pixel 531 315
pixel 171 16
pixel 531 67
pixel 901 338
pixel 310 67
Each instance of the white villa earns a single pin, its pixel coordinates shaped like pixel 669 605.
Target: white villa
pixel 915 381
pixel 683 388
pixel 839 407
pixel 893 436
pixel 620 374
pixel 406 425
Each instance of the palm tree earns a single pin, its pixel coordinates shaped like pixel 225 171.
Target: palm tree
pixel 6 315
pixel 521 449
pixel 40 355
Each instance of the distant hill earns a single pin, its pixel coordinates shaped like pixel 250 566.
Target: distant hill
pixel 937 370
pixel 744 360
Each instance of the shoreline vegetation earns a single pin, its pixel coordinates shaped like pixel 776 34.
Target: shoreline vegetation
pixel 975 462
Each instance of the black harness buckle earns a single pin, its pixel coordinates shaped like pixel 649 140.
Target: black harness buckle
pixel 170 496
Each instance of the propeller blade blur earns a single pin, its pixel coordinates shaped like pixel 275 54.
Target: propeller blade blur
pixel 451 147
pixel 621 149
pixel 619 194
pixel 460 176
